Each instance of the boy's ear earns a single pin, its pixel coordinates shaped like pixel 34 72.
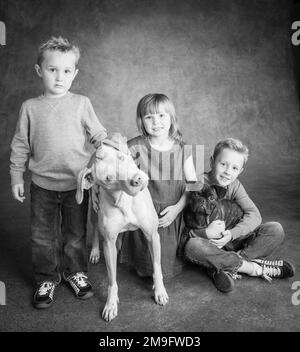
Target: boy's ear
pixel 38 70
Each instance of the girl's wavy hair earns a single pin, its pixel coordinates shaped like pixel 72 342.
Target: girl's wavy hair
pixel 58 44
pixel 232 144
pixel 151 104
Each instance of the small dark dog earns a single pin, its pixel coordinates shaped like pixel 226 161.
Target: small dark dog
pixel 207 205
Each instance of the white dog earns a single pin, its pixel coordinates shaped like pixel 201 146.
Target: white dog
pixel 124 204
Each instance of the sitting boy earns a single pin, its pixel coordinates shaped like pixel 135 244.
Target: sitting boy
pixel 56 130
pixel 240 250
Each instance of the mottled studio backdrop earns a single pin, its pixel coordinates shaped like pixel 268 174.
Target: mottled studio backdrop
pixel 231 70
pixel 226 64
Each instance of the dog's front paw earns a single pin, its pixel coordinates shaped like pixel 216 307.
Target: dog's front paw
pixel 95 255
pixel 160 295
pixel 110 311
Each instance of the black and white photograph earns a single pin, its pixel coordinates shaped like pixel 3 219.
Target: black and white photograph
pixel 150 169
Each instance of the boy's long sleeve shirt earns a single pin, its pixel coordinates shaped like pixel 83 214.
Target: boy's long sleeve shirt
pixel 236 192
pixel 56 135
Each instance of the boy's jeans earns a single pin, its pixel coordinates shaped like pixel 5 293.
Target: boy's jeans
pixel 50 211
pixel 257 244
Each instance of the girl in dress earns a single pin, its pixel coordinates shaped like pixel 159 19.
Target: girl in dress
pixel 161 153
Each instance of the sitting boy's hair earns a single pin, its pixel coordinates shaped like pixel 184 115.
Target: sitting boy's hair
pixel 58 44
pixel 233 144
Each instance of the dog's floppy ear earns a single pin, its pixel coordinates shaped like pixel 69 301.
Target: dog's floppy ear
pixel 84 181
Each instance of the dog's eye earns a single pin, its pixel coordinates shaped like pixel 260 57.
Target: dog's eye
pixel 211 198
pixel 121 157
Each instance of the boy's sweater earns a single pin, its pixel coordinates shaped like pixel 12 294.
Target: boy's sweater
pixel 55 134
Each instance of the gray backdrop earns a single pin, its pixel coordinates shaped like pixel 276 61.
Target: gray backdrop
pixel 226 64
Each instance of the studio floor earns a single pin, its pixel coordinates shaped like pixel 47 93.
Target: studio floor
pixel 195 305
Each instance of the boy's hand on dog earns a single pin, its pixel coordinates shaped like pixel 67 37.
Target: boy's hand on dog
pixel 167 216
pixel 214 229
pixel 18 192
pixel 221 242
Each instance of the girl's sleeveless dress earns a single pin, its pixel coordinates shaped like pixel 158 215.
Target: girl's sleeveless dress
pixel 166 186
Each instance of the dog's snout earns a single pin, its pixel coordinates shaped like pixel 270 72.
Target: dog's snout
pixel 136 181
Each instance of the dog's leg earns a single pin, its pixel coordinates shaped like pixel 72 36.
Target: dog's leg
pixel 110 310
pixel 160 294
pixel 95 252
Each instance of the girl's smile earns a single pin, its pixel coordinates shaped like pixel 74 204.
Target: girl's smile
pixel 158 124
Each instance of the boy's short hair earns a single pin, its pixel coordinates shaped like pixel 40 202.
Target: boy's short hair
pixel 233 144
pixel 58 44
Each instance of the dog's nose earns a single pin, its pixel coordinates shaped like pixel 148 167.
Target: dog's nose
pixel 136 181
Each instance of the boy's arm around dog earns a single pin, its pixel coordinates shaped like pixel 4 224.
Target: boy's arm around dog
pixel 94 128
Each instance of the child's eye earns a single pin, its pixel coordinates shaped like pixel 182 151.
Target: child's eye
pixel 52 69
pixel 67 71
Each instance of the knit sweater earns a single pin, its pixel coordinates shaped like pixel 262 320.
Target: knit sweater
pixel 56 135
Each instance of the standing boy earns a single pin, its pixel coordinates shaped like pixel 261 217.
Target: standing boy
pixel 54 131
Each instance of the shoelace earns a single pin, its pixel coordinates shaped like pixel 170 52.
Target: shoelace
pixel 45 288
pixel 80 279
pixel 270 262
pixel 235 276
pixel 270 271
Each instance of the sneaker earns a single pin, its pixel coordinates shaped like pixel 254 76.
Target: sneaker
pixel 80 284
pixel 275 269
pixel 43 297
pixel 223 280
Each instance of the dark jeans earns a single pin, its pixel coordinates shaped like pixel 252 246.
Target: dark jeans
pixel 53 213
pixel 257 244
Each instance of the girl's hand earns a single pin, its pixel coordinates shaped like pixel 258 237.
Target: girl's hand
pixel 168 215
pixel 214 229
pixel 18 192
pixel 220 243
